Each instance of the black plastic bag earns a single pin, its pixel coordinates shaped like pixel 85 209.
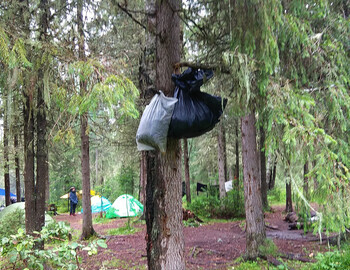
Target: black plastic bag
pixel 196 112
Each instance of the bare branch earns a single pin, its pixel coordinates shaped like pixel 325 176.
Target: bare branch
pixel 130 15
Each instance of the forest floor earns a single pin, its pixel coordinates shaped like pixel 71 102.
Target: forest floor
pixel 208 246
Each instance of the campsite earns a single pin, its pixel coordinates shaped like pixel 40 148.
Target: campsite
pixel 174 134
pixel 208 246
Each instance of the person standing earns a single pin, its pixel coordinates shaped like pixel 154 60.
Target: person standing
pixel 73 201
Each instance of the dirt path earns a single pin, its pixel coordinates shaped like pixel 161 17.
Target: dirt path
pixel 212 246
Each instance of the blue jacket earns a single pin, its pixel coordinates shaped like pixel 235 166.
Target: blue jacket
pixel 73 197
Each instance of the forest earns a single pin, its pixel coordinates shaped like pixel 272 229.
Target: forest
pixel 77 82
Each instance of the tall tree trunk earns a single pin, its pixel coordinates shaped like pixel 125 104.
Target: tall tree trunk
pixel 187 172
pixel 165 241
pixel 87 229
pixel 28 135
pixel 96 166
pixel 152 179
pixel 41 123
pixel 315 178
pixel 6 156
pixel 236 178
pixel 222 160
pixel 17 169
pixel 306 181
pixel 143 178
pixel 29 160
pixel 268 170
pixel 255 226
pixel 41 158
pixel 263 168
pixel 289 202
pixel 272 180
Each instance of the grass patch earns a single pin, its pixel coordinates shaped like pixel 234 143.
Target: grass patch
pixel 240 264
pixel 101 220
pixel 121 264
pixel 125 230
pixel 219 220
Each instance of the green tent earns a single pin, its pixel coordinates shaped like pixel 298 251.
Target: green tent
pixel 20 205
pixel 125 206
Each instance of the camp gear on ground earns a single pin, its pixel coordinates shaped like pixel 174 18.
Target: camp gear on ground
pixel 99 204
pixel 153 129
pixel 196 112
pixel 125 206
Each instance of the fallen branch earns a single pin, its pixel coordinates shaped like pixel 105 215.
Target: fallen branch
pixel 193 250
pixel 296 257
pixel 206 263
pixel 272 227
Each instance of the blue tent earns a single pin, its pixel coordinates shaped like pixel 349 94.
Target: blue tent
pixel 2 193
pixel 99 204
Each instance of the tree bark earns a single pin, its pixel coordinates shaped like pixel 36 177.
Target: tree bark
pixel 187 172
pixel 289 202
pixel 255 226
pixel 315 178
pixel 29 160
pixel 263 168
pixel 306 181
pixel 222 160
pixel 236 178
pixel 87 229
pixel 41 143
pixel 273 174
pixel 28 135
pixel 165 239
pixel 17 169
pixel 269 170
pixel 96 166
pixel 6 156
pixel 143 178
pixel 152 178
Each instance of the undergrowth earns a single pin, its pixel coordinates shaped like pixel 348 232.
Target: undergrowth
pixel 212 207
pixel 11 223
pixel 333 260
pixel 18 251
